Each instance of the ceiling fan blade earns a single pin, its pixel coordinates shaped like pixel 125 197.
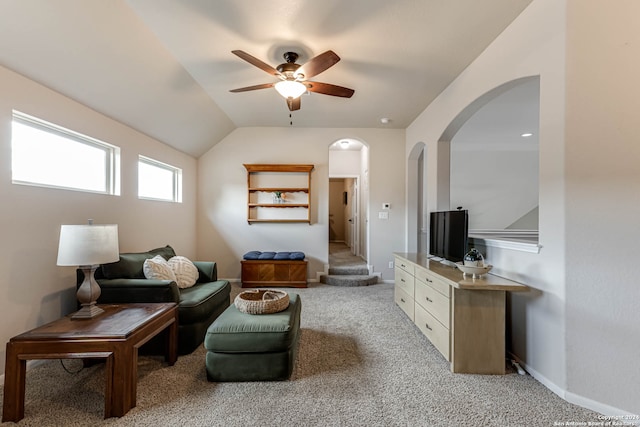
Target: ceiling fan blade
pixel 329 89
pixel 248 88
pixel 318 64
pixel 293 103
pixel 256 62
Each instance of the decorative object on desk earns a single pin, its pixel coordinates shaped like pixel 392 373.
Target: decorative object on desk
pixel 473 258
pixel 88 246
pixel 263 301
pixel 474 270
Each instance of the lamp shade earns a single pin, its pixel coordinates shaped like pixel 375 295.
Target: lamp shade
pixel 290 88
pixel 88 244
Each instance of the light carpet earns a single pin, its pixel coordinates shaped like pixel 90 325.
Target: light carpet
pixel 361 362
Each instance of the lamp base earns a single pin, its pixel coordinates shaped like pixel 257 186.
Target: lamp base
pixel 88 311
pixel 88 293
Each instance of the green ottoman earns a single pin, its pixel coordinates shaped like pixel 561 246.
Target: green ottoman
pixel 253 347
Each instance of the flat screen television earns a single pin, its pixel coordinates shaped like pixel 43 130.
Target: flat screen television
pixel 448 234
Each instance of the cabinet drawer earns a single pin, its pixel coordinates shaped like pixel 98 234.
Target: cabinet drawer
pixel 435 282
pixel 405 302
pixel 404 281
pixel 433 301
pixel 434 330
pixel 404 265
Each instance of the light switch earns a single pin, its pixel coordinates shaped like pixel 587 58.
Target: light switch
pixel 383 215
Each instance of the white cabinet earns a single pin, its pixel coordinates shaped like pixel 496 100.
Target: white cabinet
pixel 464 318
pixel 433 312
pixel 404 289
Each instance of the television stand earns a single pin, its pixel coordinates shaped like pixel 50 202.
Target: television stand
pixel 464 318
pixel 448 263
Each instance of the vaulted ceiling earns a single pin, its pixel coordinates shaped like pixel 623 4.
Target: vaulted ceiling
pixel 165 67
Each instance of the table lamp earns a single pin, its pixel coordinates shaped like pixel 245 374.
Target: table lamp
pixel 88 246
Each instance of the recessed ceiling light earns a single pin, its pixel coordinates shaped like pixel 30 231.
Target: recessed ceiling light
pixel 526 135
pixel 385 120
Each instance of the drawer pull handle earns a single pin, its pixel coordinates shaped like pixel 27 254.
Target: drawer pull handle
pixel 402 299
pixel 428 327
pixel 402 280
pixel 428 299
pixel 429 280
pixel 402 265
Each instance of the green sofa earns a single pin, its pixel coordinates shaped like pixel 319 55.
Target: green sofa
pixel 198 306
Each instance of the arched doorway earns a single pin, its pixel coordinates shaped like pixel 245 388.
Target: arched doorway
pixel 425 196
pixel 348 195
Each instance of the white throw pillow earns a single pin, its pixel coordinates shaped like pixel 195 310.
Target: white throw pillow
pixel 185 271
pixel 158 268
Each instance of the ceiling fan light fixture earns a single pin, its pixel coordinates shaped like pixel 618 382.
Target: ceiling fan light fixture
pixel 290 88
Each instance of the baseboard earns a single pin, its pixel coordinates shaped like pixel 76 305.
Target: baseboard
pixel 610 413
pixel 540 378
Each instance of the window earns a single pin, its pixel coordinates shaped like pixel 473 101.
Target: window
pixel 159 181
pixel 48 155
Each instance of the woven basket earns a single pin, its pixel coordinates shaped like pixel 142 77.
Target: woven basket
pixel 262 301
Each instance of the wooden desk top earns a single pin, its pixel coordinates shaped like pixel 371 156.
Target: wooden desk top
pixel 454 277
pixel 117 322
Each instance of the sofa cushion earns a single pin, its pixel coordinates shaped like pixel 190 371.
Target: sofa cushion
pixel 199 301
pixel 237 332
pixel 130 265
pixel 185 271
pixel 158 268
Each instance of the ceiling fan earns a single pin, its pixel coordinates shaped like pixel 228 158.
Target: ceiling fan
pixel 294 77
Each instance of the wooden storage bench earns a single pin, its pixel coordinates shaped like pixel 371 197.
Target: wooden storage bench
pixel 272 272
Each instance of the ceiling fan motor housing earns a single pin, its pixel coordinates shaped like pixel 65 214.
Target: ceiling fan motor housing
pixel 289 67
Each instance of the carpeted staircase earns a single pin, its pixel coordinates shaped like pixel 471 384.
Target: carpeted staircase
pixel 346 269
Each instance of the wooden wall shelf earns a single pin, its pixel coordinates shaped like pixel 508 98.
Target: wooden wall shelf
pixel 292 180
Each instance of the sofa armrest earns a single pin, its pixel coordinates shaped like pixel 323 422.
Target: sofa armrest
pixel 115 291
pixel 208 271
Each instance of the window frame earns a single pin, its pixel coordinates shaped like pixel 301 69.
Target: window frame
pixel 112 154
pixel 176 180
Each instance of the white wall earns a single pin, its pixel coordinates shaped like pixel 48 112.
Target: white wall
pixel 603 201
pixel 498 187
pixel 344 163
pixel 35 290
pixel 223 232
pixel 577 329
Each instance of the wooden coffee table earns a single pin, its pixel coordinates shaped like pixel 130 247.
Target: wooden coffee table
pixel 114 335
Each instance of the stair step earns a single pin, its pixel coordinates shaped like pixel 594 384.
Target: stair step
pixel 349 271
pixel 349 280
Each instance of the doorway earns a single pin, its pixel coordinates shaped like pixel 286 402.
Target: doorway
pixel 348 228
pixel 344 219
